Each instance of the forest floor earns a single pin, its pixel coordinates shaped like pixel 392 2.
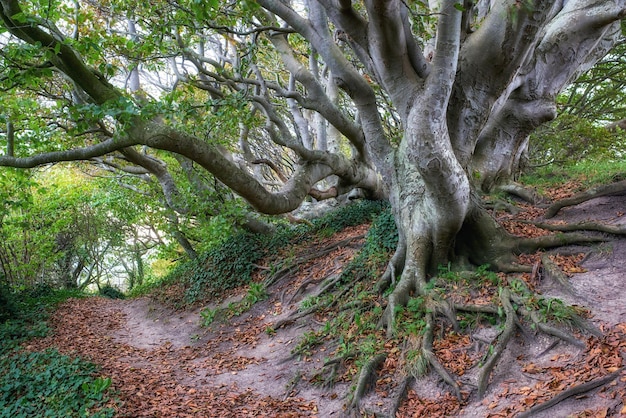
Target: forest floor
pixel 164 364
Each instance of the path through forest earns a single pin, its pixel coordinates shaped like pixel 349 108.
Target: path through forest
pixel 165 365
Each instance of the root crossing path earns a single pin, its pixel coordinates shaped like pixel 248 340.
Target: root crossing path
pixel 163 364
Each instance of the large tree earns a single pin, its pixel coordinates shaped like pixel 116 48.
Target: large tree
pixel 427 105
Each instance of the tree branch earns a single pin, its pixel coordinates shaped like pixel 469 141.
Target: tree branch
pixel 77 154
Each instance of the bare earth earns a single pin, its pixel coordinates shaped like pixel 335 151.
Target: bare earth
pixel 165 365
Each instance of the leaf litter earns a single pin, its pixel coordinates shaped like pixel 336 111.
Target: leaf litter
pixel 236 369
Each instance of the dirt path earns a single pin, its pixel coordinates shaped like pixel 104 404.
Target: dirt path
pixel 165 365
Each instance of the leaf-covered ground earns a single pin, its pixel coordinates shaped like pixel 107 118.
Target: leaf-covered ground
pixel 163 364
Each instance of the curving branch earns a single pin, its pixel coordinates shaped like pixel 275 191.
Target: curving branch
pixel 76 154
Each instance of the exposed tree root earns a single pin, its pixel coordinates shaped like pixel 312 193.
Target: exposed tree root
pixel 331 368
pixel 401 396
pixel 427 349
pixel 553 272
pixel 530 245
pixel 293 265
pixel 603 190
pixel 503 339
pixel 573 391
pixel 503 205
pixel 524 193
pixel 583 226
pixel 394 269
pixel 555 332
pixel 366 380
pixel 294 317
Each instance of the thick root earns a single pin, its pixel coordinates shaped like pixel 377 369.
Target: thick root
pixel 503 340
pixel 401 396
pixel 583 226
pixel 603 190
pixel 553 272
pixel 366 380
pixel 524 193
pixel 427 344
pixel 530 245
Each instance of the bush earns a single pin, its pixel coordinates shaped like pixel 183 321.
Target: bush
pixel 570 139
pixel 111 292
pixel 8 307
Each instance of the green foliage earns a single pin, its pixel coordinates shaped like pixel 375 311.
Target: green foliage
pixel 50 384
pixel 353 214
pixel 8 308
pixel 380 242
pixel 30 311
pixel 45 383
pixel 223 267
pixel 410 320
pixel 570 139
pixel 307 343
pixel 588 173
pixel 230 263
pixel 416 363
pixel 208 316
pixel 111 292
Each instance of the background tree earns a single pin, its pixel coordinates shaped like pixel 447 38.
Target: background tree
pixel 434 105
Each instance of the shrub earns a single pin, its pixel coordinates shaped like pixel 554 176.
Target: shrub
pixel 8 307
pixel 111 292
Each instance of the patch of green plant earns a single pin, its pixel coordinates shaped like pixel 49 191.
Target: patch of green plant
pixel 380 242
pixel 256 293
pixel 309 302
pixel 484 274
pixel 588 173
pixel 8 307
pixel 307 343
pixel 208 316
pixel 30 310
pixel 53 385
pixel 353 214
pixel 111 292
pixel 554 309
pixel 409 319
pixel 518 286
pixel 416 363
pixel 570 139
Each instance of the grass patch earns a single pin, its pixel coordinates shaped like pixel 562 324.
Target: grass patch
pixel 588 172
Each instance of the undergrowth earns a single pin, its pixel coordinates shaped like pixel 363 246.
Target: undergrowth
pixel 231 263
pixel 44 383
pixel 51 384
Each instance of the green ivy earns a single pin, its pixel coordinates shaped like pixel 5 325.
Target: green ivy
pixel 230 263
pixel 50 384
